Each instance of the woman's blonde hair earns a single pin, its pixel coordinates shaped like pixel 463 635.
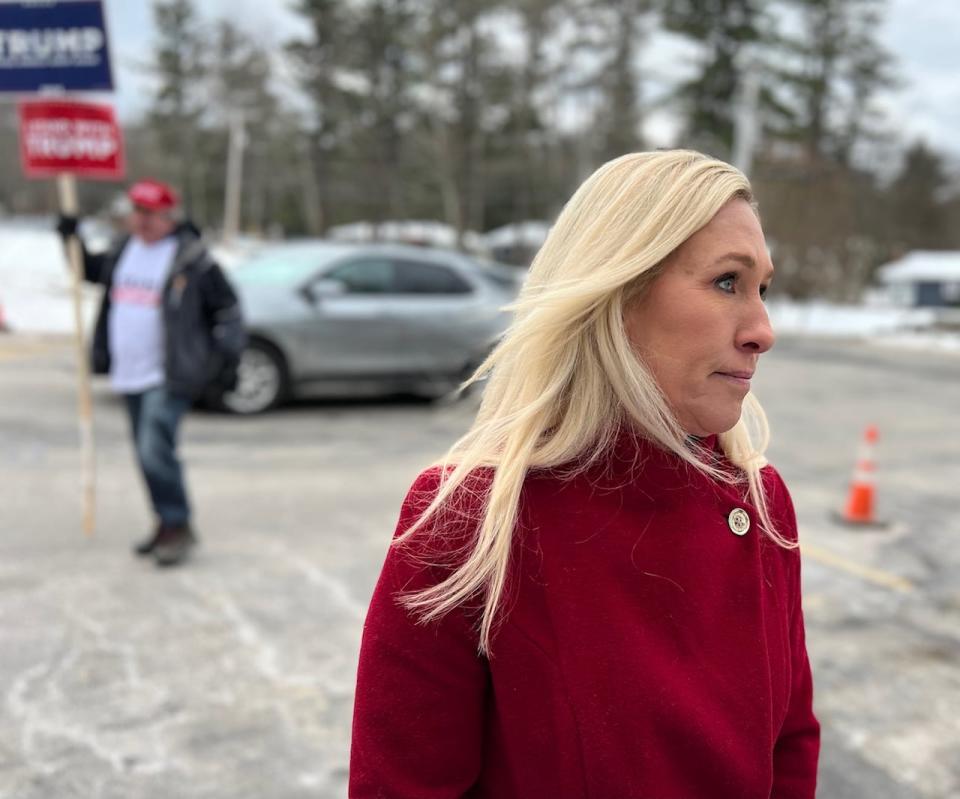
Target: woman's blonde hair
pixel 564 379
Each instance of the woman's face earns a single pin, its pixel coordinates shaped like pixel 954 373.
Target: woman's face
pixel 701 326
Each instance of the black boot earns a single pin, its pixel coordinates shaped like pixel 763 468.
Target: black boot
pixel 148 544
pixel 174 546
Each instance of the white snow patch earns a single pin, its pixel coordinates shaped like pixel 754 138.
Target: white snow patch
pixel 826 319
pixel 36 294
pixel 35 284
pixel 888 326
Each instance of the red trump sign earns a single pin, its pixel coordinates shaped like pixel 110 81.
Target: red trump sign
pixel 65 136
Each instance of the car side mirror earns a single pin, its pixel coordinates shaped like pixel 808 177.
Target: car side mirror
pixel 314 292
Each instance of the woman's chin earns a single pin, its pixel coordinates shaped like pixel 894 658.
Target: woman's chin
pixel 712 423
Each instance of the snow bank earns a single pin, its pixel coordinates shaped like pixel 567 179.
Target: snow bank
pixel 907 328
pixel 35 286
pixel 825 319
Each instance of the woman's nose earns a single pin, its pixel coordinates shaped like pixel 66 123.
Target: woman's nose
pixel 755 333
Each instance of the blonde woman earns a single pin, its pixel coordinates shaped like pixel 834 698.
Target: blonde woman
pixel 596 593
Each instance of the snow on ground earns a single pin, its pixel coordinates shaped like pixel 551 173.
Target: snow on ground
pixel 35 296
pixel 827 319
pixel 35 285
pixel 907 328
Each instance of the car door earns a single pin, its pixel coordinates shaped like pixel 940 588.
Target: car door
pixel 350 332
pixel 438 316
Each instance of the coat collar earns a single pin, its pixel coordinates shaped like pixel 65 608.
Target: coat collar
pixel 634 459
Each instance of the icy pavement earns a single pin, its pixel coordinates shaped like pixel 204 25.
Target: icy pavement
pixel 233 677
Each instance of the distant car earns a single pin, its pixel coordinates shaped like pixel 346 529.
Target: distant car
pixel 328 318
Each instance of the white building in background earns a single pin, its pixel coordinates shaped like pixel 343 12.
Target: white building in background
pixel 924 278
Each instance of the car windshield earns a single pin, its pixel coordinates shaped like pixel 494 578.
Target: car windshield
pixel 503 275
pixel 284 265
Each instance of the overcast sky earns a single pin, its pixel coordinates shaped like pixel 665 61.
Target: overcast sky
pixel 924 35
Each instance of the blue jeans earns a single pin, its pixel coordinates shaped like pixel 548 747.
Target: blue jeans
pixel 155 416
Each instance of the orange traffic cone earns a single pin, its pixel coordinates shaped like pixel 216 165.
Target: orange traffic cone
pixel 860 509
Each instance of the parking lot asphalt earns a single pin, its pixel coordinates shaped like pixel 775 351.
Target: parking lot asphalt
pixel 233 676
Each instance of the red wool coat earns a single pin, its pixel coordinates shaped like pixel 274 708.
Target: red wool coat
pixel 646 652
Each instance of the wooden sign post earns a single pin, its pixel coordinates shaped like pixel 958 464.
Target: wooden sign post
pixel 63 138
pixel 61 46
pixel 67 191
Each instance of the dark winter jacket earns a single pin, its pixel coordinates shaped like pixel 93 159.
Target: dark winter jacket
pixel 645 650
pixel 203 325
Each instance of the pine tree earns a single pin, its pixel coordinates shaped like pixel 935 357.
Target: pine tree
pixel 468 91
pixel 917 201
pixel 319 63
pixel 382 56
pixel 614 32
pixel 525 172
pixel 179 68
pixel 727 31
pixel 834 70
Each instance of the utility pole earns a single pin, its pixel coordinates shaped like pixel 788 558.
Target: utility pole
pixel 745 124
pixel 231 203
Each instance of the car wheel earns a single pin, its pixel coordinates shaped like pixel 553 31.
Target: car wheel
pixel 261 380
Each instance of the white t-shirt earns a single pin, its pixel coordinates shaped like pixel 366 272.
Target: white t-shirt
pixel 136 315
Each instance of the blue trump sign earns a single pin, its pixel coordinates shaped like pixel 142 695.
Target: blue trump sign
pixel 54 44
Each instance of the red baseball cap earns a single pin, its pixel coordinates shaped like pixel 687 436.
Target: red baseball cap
pixel 153 194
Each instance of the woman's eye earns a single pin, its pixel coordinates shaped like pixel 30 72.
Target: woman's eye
pixel 726 283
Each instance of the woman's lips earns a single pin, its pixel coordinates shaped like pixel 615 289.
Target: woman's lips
pixel 737 378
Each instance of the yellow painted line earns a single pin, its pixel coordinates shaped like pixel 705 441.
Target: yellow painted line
pixel 814 601
pixel 876 576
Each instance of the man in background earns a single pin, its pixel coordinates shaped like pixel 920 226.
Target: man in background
pixel 169 327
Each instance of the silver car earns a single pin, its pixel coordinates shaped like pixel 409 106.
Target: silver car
pixel 359 319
